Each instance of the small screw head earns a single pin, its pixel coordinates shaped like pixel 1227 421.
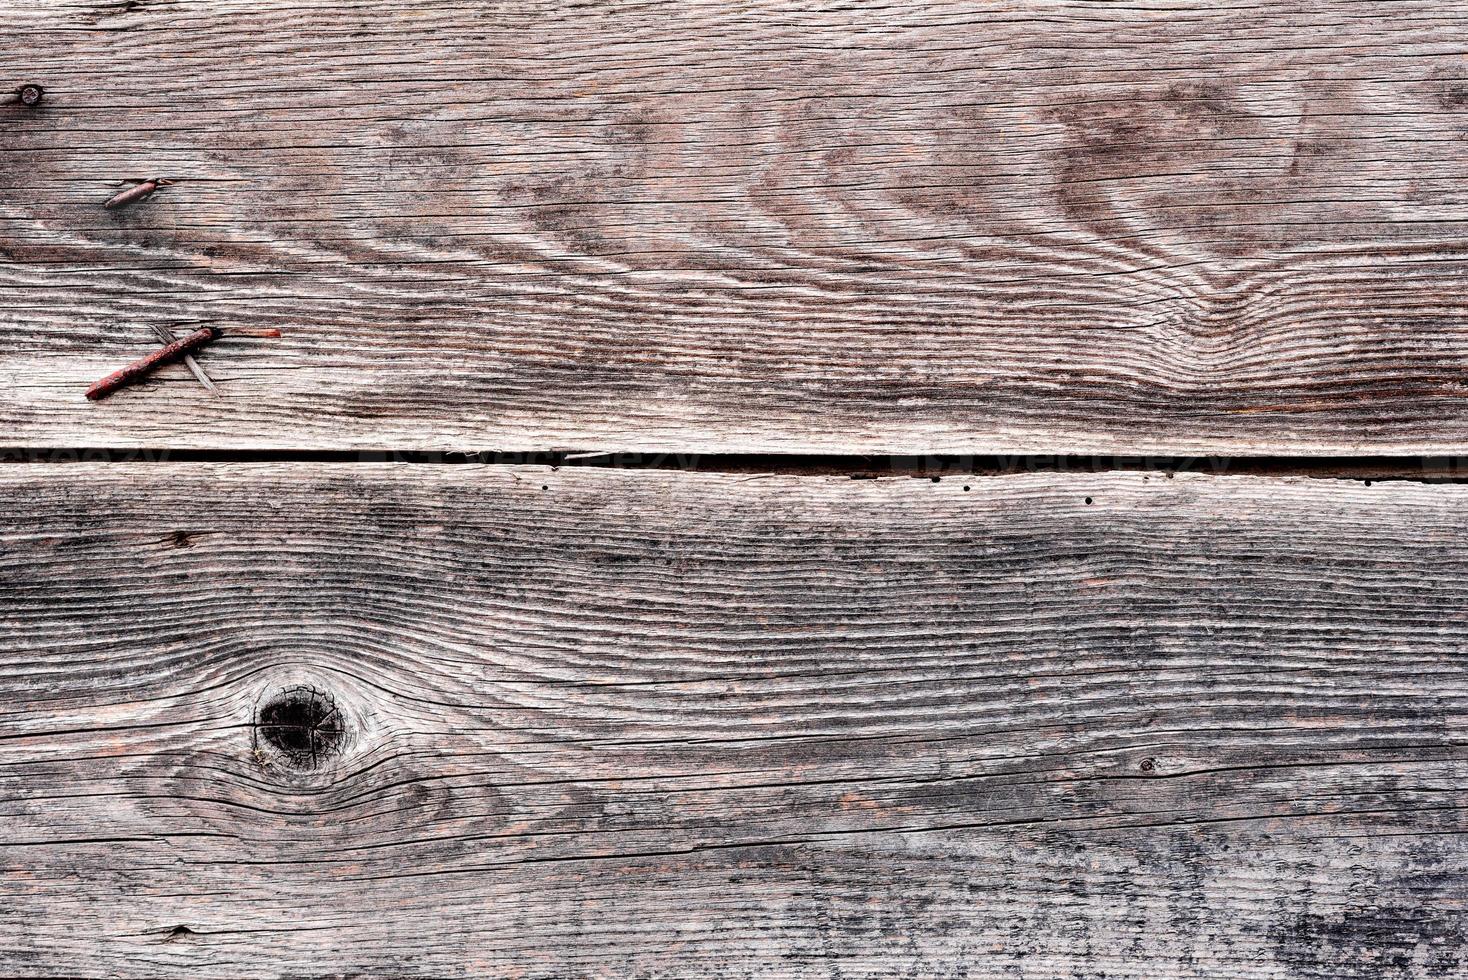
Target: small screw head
pixel 29 94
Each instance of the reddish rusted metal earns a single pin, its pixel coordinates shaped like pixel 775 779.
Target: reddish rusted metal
pixel 144 366
pixel 136 192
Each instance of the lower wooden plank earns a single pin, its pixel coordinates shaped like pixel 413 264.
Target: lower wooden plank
pixel 667 724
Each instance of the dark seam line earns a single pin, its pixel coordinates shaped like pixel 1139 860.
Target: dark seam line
pixel 1423 469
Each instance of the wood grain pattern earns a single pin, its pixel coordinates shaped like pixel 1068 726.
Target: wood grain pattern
pixel 662 724
pixel 867 227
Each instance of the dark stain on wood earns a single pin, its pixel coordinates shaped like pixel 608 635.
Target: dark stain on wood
pixel 1373 942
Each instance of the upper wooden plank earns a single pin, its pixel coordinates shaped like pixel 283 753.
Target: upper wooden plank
pixel 607 723
pixel 1029 226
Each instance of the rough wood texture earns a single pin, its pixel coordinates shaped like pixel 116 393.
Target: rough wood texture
pixel 661 724
pixel 1029 226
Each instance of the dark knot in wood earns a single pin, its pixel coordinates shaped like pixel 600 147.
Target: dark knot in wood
pixel 301 727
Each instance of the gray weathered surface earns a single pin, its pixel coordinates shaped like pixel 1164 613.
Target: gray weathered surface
pixel 662 724
pixel 1030 226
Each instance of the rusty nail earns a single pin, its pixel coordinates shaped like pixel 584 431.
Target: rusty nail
pixel 168 337
pixel 136 193
pixel 145 366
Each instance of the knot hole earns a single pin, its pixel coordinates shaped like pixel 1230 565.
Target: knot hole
pixel 302 727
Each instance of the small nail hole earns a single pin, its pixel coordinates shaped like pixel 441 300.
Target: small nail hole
pixel 1088 500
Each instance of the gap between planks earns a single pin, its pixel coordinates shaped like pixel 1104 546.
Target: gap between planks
pixel 1419 469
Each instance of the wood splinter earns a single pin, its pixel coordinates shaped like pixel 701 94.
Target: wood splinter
pixel 167 354
pixel 136 192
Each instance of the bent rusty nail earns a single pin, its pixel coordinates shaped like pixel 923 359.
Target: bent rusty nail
pixel 136 193
pixel 145 366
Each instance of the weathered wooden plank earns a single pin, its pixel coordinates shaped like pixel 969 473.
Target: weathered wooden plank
pixel 1021 227
pixel 612 723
